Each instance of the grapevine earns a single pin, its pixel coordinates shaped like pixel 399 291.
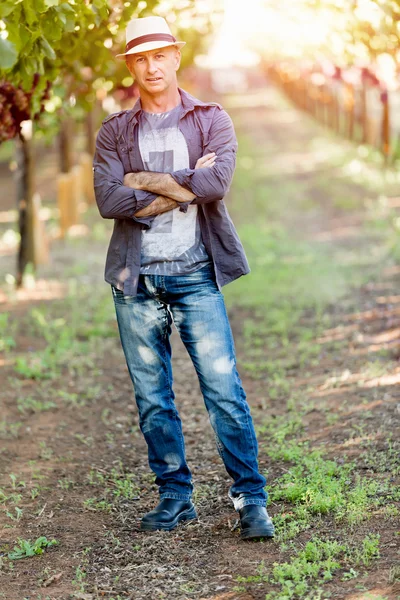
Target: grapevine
pixel 15 107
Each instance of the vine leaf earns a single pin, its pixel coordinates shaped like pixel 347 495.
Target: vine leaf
pixel 8 54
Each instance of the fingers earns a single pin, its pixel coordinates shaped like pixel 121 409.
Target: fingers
pixel 208 160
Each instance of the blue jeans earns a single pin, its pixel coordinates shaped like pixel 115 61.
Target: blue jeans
pixel 197 308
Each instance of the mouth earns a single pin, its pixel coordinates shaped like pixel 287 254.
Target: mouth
pixel 153 79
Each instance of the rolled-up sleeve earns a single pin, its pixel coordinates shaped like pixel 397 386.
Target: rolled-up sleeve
pixel 115 200
pixel 213 183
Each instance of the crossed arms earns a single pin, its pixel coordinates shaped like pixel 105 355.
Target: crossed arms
pixel 171 193
pixel 142 195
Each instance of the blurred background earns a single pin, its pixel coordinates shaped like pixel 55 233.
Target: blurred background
pixel 338 60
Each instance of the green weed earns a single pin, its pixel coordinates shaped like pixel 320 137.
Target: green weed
pixel 41 365
pixel 70 398
pixel 203 492
pixel 87 440
pixel 383 460
pixel 17 515
pixel 114 485
pixel 65 484
pixel 350 574
pixel 368 551
pixel 94 504
pixel 394 574
pixel 26 549
pixel 9 430
pixel 80 572
pixel 311 567
pixel 45 452
pixel 15 483
pixel 390 511
pixel 30 404
pixel 80 579
pixel 7 333
pixel 35 492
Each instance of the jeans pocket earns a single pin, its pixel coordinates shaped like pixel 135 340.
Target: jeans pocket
pixel 119 296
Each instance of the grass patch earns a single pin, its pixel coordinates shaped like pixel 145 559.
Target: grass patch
pixel 311 567
pixel 316 486
pixel 34 405
pixel 114 485
pixel 7 333
pixel 68 343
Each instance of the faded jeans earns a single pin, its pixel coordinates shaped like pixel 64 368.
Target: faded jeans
pixel 197 308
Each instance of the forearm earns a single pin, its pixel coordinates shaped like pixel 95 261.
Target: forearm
pixel 113 198
pixel 158 183
pixel 160 205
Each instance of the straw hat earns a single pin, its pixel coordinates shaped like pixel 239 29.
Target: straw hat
pixel 148 33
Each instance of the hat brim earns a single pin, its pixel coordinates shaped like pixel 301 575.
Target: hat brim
pixel 150 46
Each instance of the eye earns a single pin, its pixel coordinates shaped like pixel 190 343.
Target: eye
pixel 159 55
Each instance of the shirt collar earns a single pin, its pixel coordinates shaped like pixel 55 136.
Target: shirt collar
pixel 189 102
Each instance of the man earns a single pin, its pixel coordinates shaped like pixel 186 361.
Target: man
pixel 161 171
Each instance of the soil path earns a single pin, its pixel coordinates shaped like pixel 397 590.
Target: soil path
pixel 76 470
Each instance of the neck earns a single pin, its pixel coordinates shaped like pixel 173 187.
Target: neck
pixel 162 102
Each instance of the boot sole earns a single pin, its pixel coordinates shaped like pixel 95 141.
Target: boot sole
pixel 248 534
pixel 186 515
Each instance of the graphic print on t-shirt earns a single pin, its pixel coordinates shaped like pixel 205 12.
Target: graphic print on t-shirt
pixel 173 243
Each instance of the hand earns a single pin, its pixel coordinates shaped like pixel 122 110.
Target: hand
pixel 208 160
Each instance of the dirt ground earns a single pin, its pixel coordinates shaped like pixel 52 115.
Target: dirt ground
pixel 77 471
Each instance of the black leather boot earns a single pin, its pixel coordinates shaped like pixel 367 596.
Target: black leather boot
pixel 167 514
pixel 255 522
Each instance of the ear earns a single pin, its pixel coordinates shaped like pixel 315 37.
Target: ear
pixel 128 62
pixel 177 59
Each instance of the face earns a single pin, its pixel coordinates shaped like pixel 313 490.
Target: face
pixel 155 70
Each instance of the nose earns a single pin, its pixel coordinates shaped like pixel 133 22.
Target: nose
pixel 151 67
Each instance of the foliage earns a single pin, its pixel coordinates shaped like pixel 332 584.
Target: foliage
pixel 372 25
pixel 45 40
pixel 348 33
pixel 26 549
pixel 15 106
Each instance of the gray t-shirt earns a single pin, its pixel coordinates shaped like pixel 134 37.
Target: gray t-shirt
pixel 173 244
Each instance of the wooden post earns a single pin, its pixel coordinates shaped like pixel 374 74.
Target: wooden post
pixel 308 97
pixel 373 133
pixel 335 112
pixel 40 238
pixel 86 162
pixel 76 193
pixel 364 114
pixel 327 99
pixel 385 125
pixel 303 92
pixel 63 201
pixel 65 144
pixel 350 110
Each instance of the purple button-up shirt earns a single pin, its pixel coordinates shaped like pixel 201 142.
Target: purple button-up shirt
pixel 206 128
